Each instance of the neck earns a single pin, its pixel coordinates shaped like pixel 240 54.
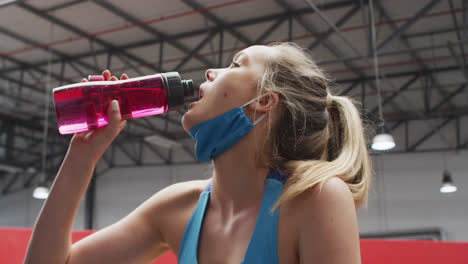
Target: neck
pixel 238 180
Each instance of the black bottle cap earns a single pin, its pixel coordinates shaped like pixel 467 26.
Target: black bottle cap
pixel 188 88
pixel 177 89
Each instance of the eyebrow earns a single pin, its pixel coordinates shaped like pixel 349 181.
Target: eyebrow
pixel 238 54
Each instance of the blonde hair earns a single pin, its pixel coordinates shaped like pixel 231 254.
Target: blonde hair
pixel 318 135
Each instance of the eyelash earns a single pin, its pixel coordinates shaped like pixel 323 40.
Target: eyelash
pixel 234 64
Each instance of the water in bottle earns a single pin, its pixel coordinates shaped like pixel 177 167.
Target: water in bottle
pixel 83 106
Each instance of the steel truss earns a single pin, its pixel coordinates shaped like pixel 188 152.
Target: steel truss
pixel 131 144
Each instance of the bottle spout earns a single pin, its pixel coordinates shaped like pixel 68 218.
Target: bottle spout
pixel 189 91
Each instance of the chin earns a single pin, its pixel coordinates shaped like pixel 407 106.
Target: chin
pixel 187 121
pixel 184 123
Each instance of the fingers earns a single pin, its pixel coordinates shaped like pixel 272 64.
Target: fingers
pixel 106 74
pixel 109 77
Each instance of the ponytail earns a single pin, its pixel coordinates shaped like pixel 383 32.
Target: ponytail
pixel 317 135
pixel 344 155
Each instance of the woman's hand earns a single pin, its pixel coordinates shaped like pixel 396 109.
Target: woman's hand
pixel 91 145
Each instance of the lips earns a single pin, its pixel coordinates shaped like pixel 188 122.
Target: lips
pixel 190 106
pixel 200 91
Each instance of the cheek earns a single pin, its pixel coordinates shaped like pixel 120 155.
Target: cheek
pixel 234 89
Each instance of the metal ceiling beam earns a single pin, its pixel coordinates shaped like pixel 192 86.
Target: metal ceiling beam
pixel 391 97
pixel 334 27
pixel 30 124
pixel 126 152
pixel 338 24
pixel 442 114
pixel 155 151
pixel 63 5
pixel 90 202
pixel 62 56
pixel 402 74
pixel 194 33
pixel 412 53
pixel 269 30
pixel 465 19
pixel 447 99
pixel 462 61
pixel 407 25
pixel 464 145
pixel 80 32
pixel 394 53
pixel 330 46
pixel 160 35
pixel 356 50
pixel 429 134
pixel 433 33
pixel 195 50
pixel 194 5
pixel 347 90
pixel 443 102
pixel 13 179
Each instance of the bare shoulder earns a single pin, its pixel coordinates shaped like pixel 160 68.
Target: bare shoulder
pixel 177 196
pixel 171 208
pixel 327 224
pixel 334 192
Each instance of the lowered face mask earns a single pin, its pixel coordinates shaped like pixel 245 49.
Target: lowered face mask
pixel 216 135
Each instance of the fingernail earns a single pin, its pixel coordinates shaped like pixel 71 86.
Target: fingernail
pixel 114 105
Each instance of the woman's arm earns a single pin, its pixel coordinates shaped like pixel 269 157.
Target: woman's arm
pixel 131 240
pixel 328 229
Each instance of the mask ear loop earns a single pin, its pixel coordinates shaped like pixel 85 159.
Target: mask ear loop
pixel 251 101
pixel 259 119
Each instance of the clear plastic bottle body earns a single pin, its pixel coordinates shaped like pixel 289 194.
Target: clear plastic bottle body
pixel 83 106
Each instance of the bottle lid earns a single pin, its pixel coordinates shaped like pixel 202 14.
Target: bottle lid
pixel 188 88
pixel 177 89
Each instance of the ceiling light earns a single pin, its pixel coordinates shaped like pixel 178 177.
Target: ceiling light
pixel 447 183
pixel 383 142
pixel 41 192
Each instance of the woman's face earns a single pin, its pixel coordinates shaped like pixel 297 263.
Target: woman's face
pixel 228 88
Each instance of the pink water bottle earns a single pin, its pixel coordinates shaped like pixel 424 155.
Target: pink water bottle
pixel 83 106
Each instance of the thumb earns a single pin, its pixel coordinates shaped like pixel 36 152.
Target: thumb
pixel 115 125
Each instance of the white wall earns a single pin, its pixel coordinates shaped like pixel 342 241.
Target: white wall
pixel 121 190
pixel 20 209
pixel 404 195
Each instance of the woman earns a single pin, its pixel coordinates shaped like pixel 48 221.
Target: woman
pixel 290 169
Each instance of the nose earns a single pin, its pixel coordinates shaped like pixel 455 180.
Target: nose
pixel 210 75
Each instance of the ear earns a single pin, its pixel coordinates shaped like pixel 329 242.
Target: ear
pixel 266 103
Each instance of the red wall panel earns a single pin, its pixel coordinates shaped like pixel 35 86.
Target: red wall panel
pixel 14 241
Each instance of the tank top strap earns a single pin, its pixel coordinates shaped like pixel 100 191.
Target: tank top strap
pixel 189 244
pixel 262 246
pixel 208 187
pixel 263 243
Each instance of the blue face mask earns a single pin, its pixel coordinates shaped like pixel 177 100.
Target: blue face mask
pixel 216 135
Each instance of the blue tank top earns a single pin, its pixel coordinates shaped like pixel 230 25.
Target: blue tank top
pixel 262 246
